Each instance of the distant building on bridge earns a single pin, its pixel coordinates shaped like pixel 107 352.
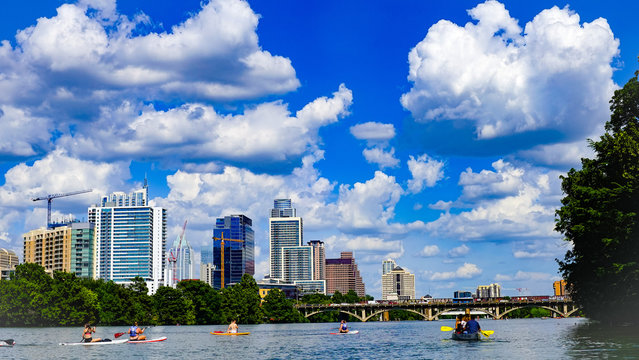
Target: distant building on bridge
pixel 489 291
pixel 560 288
pixel 342 275
pixel 398 284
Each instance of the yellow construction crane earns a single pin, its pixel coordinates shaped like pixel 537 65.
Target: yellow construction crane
pixel 222 239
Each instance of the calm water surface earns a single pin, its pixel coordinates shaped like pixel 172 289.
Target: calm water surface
pixel 513 339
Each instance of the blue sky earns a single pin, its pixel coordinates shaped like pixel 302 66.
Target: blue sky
pixel 430 132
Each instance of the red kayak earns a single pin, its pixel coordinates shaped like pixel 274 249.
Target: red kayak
pixel 147 341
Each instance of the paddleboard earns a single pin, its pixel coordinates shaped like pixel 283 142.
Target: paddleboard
pixel 229 334
pixel 7 342
pixel 348 333
pixel 147 340
pixel 112 342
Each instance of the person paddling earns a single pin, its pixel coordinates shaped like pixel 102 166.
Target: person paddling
pixel 472 326
pixel 232 329
pixel 87 334
pixel 343 327
pixel 135 333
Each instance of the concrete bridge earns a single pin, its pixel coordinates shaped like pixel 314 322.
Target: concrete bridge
pixel 432 310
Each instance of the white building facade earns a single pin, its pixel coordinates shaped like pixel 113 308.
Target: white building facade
pixel 130 238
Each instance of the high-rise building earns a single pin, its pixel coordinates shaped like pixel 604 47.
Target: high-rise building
pixel 82 249
pixel 297 263
pixel 488 291
pixel 206 265
pixel 8 262
pixel 130 238
pixel 285 230
pixel 388 266
pixel 559 288
pixel 239 258
pixel 65 247
pixel 398 284
pixel 180 261
pixel 319 259
pixel 49 248
pixel 342 275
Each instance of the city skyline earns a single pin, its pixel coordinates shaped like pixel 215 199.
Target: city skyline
pixel 430 133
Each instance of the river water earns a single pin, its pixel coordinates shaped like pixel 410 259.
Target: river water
pixel 570 338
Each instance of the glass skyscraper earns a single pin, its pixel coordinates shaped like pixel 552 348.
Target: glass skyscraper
pixel 130 238
pixel 285 230
pixel 239 258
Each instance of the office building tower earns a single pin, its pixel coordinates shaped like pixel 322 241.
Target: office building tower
pixel 8 262
pixel 388 266
pixel 319 259
pixel 283 208
pixel 206 265
pixel 488 291
pixel 297 263
pixel 82 249
pixel 66 247
pixel 559 288
pixel 49 248
pixel 239 258
pixel 342 275
pixel 398 284
pixel 130 238
pixel 285 230
pixel 180 261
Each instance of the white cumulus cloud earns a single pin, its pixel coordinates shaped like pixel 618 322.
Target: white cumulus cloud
pixel 426 172
pixel 508 81
pixel 466 271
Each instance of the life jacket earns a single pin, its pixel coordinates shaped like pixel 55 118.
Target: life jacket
pixel 133 331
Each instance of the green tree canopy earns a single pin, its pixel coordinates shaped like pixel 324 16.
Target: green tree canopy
pixel 278 309
pixel 599 216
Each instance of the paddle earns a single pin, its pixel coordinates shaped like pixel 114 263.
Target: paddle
pixel 446 328
pixel 117 335
pixel 487 333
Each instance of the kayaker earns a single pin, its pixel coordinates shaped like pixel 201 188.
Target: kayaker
pixel 472 326
pixel 459 327
pixel 232 327
pixel 343 327
pixel 135 333
pixel 87 334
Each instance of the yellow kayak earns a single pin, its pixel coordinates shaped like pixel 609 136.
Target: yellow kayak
pixel 229 334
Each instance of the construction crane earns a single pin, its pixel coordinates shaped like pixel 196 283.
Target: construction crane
pixel 50 197
pixel 222 239
pixel 174 257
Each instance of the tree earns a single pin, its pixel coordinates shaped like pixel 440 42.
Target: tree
pixel 171 307
pixel 338 298
pixel 351 297
pixel 206 301
pixel 278 309
pixel 242 302
pixel 599 215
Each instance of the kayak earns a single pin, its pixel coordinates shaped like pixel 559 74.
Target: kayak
pixel 7 342
pixel 346 333
pixel 229 334
pixel 466 337
pixel 112 342
pixel 147 340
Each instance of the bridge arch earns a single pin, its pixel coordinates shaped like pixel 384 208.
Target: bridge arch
pixel 336 309
pixel 443 312
pixel 536 306
pixel 389 309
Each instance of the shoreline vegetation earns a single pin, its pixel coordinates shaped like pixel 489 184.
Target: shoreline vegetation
pixel 32 298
